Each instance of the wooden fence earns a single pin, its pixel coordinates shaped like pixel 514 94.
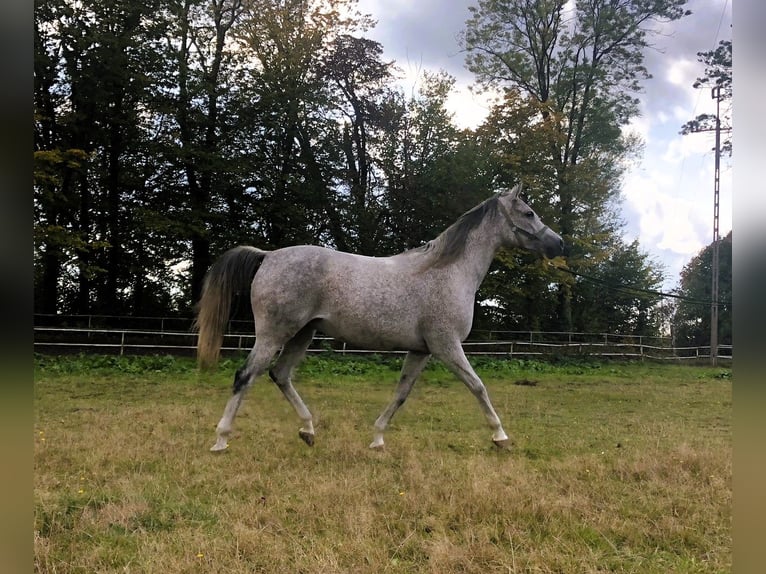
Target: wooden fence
pixel 74 334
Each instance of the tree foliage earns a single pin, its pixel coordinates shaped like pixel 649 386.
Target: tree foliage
pixel 90 87
pixel 567 74
pixel 717 78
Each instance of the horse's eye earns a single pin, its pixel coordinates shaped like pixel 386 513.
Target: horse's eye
pixel 530 214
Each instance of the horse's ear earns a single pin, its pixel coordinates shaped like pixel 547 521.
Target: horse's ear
pixel 515 191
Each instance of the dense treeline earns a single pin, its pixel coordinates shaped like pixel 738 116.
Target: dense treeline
pixel 167 131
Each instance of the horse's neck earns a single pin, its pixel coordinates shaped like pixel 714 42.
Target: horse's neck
pixel 481 246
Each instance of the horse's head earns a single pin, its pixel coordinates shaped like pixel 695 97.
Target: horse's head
pixel 525 229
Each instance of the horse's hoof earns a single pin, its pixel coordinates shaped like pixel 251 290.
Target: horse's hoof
pixel 219 446
pixel 308 437
pixel 504 444
pixel 377 441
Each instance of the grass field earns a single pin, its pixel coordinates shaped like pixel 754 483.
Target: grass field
pixel 615 468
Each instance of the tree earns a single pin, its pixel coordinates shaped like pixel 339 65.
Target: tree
pixel 293 161
pixel 204 56
pixel 359 81
pixel 691 320
pixel 717 76
pixel 620 295
pixel 580 64
pixel 432 171
pixel 91 63
pixel 522 290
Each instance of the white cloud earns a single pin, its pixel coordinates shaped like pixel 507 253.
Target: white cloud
pixel 469 109
pixel 668 223
pixel 668 202
pixel 640 126
pixel 680 149
pixel 682 72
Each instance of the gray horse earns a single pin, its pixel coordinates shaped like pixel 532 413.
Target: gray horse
pixel 420 301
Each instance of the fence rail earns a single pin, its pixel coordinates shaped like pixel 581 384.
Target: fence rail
pixel 519 344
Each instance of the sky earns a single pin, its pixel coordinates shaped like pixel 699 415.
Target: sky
pixel 667 194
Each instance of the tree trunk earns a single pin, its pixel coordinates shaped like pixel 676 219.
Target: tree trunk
pixel 111 300
pixel 201 184
pixel 83 301
pixel 50 281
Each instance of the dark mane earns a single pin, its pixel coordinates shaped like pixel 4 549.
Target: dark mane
pixel 449 245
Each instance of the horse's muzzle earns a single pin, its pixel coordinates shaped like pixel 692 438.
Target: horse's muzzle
pixel 553 245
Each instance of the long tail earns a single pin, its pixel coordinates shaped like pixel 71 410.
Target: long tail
pixel 232 272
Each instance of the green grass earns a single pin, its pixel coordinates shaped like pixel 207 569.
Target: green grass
pixel 615 468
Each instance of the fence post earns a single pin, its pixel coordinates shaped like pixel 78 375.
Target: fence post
pixel 122 343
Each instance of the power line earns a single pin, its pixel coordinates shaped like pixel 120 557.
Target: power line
pixel 632 290
pixel 720 21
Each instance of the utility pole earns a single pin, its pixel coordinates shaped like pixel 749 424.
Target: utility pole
pixel 716 95
pixel 714 266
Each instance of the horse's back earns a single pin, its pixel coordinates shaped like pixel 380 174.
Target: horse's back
pixel 373 301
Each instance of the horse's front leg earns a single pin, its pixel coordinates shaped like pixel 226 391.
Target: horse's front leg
pixel 411 369
pixel 456 361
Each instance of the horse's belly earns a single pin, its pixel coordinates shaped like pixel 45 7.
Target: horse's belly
pixel 375 335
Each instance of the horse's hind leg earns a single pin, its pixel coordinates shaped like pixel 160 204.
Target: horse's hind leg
pixel 257 362
pixel 292 354
pixel 411 369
